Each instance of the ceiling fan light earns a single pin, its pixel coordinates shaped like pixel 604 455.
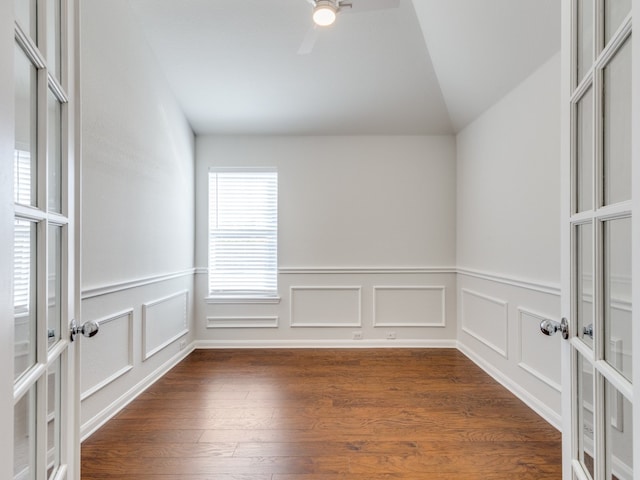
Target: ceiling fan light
pixel 324 13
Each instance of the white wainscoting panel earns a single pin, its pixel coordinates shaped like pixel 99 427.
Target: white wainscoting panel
pixel 242 322
pixel 335 306
pixel 486 319
pixel 163 321
pixel 539 354
pixel 409 306
pixel 108 355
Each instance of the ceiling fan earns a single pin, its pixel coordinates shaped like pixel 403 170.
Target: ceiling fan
pixel 325 13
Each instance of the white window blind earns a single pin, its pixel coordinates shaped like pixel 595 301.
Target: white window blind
pixel 22 260
pixel 243 233
pixel 22 177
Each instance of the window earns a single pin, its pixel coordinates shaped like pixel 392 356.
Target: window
pixel 243 233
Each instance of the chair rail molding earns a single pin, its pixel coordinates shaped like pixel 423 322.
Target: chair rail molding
pixel 98 291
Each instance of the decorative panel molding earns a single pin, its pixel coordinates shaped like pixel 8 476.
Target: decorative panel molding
pixel 538 354
pixel 409 306
pixel 323 306
pixel 242 322
pixel 163 321
pixel 486 319
pixel 108 355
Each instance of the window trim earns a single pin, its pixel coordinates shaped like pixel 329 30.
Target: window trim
pixel 237 299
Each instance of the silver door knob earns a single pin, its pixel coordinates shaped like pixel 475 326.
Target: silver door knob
pixel 550 327
pixel 88 329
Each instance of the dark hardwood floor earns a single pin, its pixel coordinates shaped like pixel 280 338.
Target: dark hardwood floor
pixel 324 415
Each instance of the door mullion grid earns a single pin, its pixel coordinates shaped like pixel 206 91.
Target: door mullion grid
pixel 578 471
pixel 597 215
pixel 615 378
pixel 30 49
pixel 43 245
pixel 579 87
pixel 59 87
pixel 599 425
pixel 580 348
pixel 579 93
pixel 577 346
pixel 598 304
pixel 603 372
pixel 37 378
pixel 41 335
pixel 35 382
pixel 607 52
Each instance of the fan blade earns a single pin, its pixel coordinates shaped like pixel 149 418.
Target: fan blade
pixel 309 41
pixel 370 5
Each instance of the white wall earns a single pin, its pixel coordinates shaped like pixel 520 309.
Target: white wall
pixel 355 214
pixel 137 213
pixel 509 183
pixel 137 154
pixel 508 238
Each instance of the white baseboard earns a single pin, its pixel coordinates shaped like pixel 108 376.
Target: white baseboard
pixel 545 412
pixel 116 406
pixel 381 343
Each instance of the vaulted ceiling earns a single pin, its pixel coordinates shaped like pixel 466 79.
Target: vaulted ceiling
pixel 385 67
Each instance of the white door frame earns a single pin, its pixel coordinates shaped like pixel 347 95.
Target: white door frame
pixel 70 446
pixel 565 237
pixel 635 182
pixel 6 236
pixel 569 410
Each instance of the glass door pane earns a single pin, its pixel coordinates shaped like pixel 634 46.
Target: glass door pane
pixel 25 11
pixel 584 152
pixel 24 296
pixel 53 418
pixel 617 295
pixel 618 435
pixel 617 126
pixel 584 42
pixel 585 414
pixel 584 282
pixel 24 436
pixel 54 153
pixel 54 316
pixel 54 38
pixel 615 11
pixel 25 154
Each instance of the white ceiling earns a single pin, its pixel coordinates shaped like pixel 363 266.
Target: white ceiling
pixel 235 68
pixel 481 49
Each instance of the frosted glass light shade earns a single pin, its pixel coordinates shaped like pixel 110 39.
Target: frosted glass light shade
pixel 324 14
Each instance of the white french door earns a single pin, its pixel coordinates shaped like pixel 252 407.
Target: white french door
pixel 44 286
pixel 600 239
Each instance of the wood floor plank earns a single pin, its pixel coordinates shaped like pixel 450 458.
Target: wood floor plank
pixel 324 415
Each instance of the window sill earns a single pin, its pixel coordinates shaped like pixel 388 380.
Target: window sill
pixel 239 299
